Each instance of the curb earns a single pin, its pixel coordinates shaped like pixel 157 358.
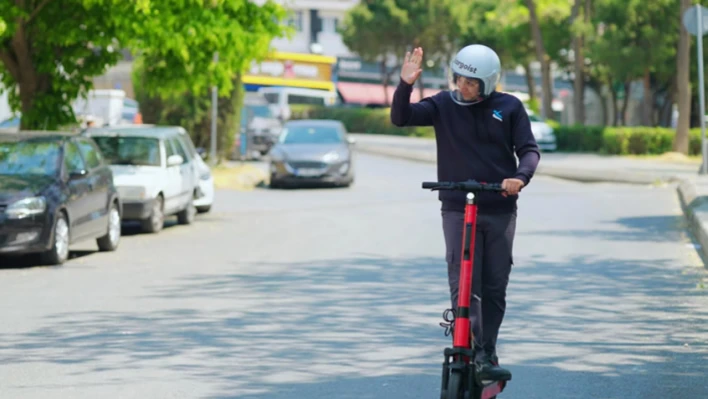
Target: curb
pixel 580 175
pixel 695 209
pixel 693 196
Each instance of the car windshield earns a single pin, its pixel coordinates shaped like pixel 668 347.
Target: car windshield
pixel 29 157
pixel 533 117
pixel 311 135
pixel 121 150
pixel 258 111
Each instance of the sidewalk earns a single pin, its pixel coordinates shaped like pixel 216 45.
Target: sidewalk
pixel 692 188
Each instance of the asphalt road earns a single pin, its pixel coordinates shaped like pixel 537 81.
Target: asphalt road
pixel 337 293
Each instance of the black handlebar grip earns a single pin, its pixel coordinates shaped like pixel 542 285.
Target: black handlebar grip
pixel 430 184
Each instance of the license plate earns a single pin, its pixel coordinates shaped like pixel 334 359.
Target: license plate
pixel 308 172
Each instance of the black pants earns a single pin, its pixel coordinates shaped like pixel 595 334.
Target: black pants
pixel 492 265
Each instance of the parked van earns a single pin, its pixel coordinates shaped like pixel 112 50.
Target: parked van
pixel 281 98
pixel 259 128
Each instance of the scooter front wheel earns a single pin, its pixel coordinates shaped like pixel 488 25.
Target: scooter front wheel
pixel 454 386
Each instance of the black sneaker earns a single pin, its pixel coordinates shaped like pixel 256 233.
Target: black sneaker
pixel 488 369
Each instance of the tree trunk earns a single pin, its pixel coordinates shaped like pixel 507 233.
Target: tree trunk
pixel 16 56
pixel 579 81
pixel 596 85
pixel 384 81
pixel 615 103
pixel 664 111
pixel 615 110
pixel 546 88
pixel 625 103
pixel 648 100
pixel 683 86
pixel 530 82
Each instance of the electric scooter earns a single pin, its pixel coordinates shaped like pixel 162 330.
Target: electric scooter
pixel 459 375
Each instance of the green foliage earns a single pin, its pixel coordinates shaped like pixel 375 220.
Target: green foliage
pixel 597 139
pixel 43 73
pixel 622 140
pixel 375 28
pixel 49 57
pixel 179 44
pixel 361 120
pixel 174 72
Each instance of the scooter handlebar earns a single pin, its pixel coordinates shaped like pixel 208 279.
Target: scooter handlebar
pixel 467 186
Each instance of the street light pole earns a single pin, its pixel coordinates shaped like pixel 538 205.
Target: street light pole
pixel 214 113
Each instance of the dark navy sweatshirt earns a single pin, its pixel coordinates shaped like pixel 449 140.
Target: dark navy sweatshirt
pixel 474 142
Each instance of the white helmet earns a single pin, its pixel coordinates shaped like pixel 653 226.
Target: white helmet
pixel 475 61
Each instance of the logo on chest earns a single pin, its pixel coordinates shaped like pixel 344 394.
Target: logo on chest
pixel 497 114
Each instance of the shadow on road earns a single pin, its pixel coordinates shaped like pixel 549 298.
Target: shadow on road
pixel 367 327
pixel 668 228
pixel 33 260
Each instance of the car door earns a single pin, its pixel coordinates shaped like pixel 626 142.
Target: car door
pixel 186 171
pixel 79 191
pixel 100 180
pixel 173 180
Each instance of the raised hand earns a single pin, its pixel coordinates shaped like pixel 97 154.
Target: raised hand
pixel 410 71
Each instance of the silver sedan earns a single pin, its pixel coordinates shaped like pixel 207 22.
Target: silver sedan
pixel 312 151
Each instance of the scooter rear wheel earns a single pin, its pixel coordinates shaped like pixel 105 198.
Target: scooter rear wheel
pixel 454 386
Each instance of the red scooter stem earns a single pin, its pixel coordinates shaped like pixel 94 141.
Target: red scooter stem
pixel 462 334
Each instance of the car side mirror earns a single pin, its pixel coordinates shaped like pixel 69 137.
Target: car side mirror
pixel 175 160
pixel 77 174
pixel 351 140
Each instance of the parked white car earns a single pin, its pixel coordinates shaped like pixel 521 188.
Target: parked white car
pixel 155 170
pixel 543 132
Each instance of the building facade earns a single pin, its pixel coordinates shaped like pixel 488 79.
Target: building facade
pixel 315 23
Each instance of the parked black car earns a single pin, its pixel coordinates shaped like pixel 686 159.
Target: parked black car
pixel 55 190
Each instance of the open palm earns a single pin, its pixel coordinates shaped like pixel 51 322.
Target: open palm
pixel 410 71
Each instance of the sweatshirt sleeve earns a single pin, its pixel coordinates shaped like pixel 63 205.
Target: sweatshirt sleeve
pixel 525 146
pixel 403 113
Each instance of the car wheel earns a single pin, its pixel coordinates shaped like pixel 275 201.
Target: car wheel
pixel 60 242
pixel 186 216
pixel 204 209
pixel 274 183
pixel 156 221
pixel 109 242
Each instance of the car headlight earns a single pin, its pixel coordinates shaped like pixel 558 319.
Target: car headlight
pixel 132 192
pixel 26 207
pixel 276 156
pixel 331 156
pixel 206 175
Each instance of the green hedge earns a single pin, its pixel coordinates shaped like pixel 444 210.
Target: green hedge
pixel 598 139
pixel 637 140
pixel 361 120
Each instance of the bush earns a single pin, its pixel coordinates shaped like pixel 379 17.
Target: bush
pixel 361 120
pixel 575 138
pixel 636 140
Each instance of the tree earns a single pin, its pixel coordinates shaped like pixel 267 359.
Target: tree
pixel 580 18
pixel 46 72
pixel 176 66
pixel 504 26
pixel 543 58
pixel 434 27
pixel 632 48
pixel 47 57
pixel 377 31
